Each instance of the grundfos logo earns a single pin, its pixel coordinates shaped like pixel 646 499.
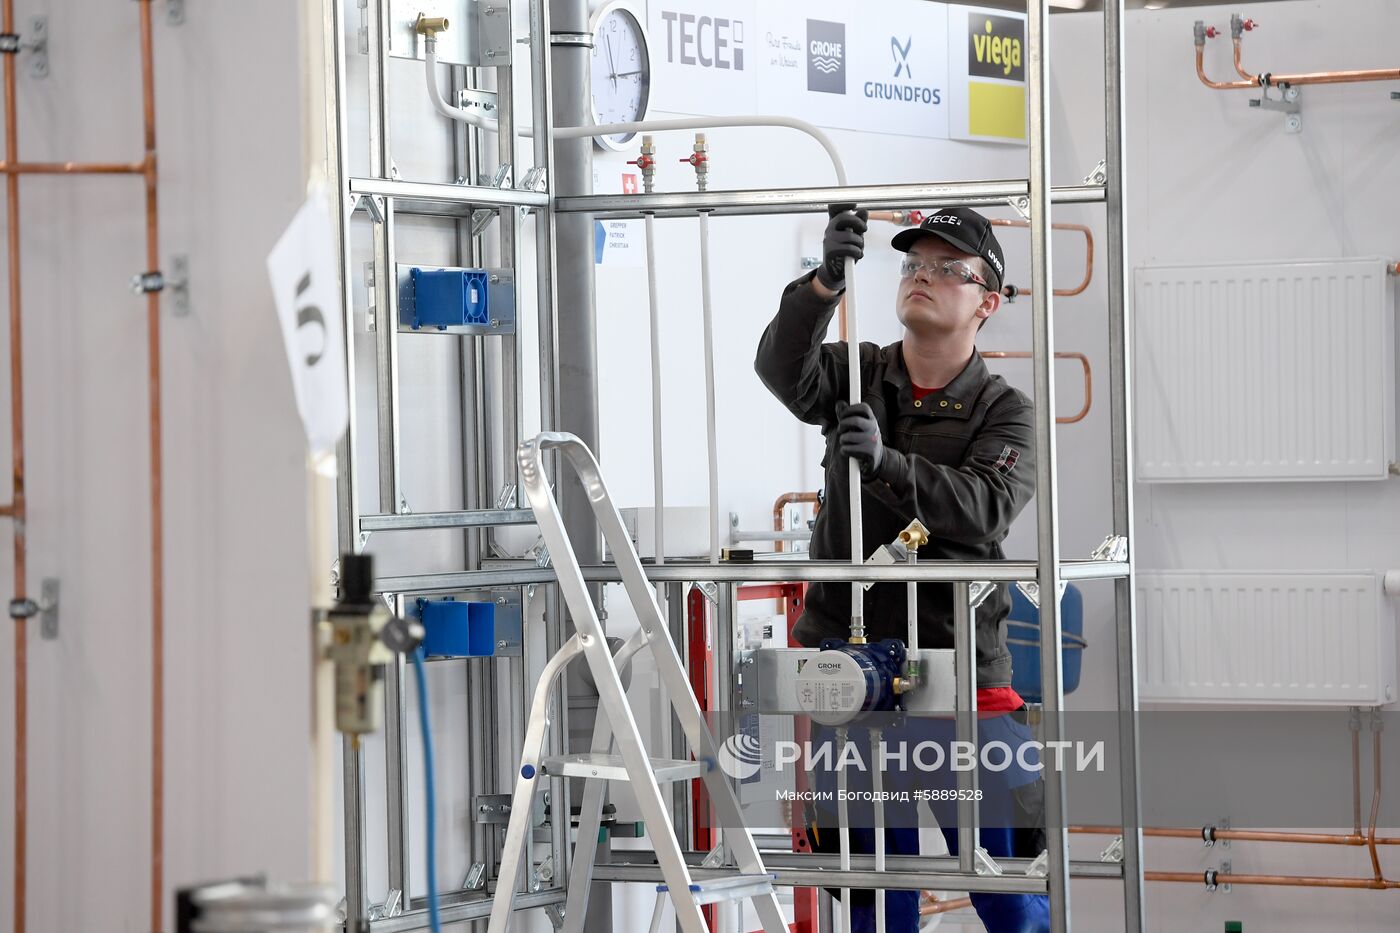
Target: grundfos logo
pixel 994 47
pixel 826 56
pixel 707 41
pixel 905 90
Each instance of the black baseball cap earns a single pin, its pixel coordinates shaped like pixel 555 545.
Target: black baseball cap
pixel 964 228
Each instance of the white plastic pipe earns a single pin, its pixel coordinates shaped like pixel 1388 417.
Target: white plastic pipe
pixel 709 338
pixel 843 820
pixel 617 129
pixel 658 527
pixel 857 523
pixel 877 785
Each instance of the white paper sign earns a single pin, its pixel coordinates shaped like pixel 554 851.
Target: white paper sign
pixel 305 285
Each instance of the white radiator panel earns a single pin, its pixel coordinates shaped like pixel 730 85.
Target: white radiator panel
pixel 1277 371
pixel 1277 638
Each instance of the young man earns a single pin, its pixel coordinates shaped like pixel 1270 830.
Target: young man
pixel 936 437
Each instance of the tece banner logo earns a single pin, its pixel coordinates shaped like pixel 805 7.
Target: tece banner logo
pixel 826 56
pixel 994 47
pixel 707 41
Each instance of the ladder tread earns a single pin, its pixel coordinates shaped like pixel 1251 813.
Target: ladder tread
pixel 612 767
pixel 727 887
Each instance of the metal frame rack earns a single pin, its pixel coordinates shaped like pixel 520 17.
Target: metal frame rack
pixel 383 197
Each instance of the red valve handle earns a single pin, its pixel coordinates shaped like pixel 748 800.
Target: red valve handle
pixel 695 158
pixel 914 217
pixel 1212 32
pixel 1249 25
pixel 642 162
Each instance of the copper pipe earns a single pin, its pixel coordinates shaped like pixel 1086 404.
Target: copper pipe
pixel 1243 835
pixel 1375 799
pixel 1301 881
pixel 17 511
pixel 943 907
pixel 1083 360
pixel 1088 255
pixel 1239 69
pixel 1217 85
pixel 841 317
pixel 1289 80
pixel 783 502
pixel 148 109
pixel 72 168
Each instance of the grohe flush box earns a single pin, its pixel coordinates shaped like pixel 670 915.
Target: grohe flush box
pixel 455 300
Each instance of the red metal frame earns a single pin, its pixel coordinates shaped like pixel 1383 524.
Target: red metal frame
pixel 701 669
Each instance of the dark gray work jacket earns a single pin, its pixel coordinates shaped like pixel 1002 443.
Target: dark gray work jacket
pixel 962 461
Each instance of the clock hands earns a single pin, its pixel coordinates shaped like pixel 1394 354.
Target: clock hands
pixel 612 65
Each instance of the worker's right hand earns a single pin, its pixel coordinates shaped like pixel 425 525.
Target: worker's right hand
pixel 844 239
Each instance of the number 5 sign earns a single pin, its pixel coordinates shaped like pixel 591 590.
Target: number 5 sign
pixel 305 284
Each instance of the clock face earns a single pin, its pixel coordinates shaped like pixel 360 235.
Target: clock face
pixel 621 73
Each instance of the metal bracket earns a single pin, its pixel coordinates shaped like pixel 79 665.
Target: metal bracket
pixel 555 913
pixel 371 309
pixel 979 591
pixel 392 906
pixel 506 499
pixel 48 608
pixel 710 589
pixel 39 45
pixel 1225 869
pixel 984 864
pixel 535 180
pixel 470 97
pixel 175 12
pixel 1040 867
pixel 714 858
pixel 1286 103
pixel 1114 852
pixel 1021 205
pixel 542 874
pixel 1113 548
pixel 475 879
pixel 1098 175
pixel 147 283
pixel 493 808
pixel 364 27
pixel 541 554
pixel 371 205
pixel 1031 590
pixel 11 43
pixel 404 508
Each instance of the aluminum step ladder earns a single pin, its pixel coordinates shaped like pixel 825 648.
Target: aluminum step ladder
pixel 615 724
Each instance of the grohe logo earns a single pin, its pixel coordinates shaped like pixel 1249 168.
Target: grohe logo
pixel 826 56
pixel 994 47
pixel 904 90
pixel 707 41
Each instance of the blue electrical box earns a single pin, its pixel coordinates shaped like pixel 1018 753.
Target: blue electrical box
pixel 464 301
pixel 458 630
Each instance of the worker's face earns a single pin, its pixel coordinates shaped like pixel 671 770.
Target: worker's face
pixel 933 305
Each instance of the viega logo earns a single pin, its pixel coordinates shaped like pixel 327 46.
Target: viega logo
pixel 995 47
pixel 708 41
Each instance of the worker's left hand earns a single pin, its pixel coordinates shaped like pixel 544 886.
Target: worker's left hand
pixel 858 436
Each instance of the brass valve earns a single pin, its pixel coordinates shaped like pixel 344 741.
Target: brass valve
pixel 430 26
pixel 915 536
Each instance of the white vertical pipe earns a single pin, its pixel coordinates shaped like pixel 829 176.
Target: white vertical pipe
pixel 877 786
pixel 843 820
pixel 709 338
pixel 659 528
pixel 857 529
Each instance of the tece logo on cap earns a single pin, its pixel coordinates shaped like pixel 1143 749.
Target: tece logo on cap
pixel 707 41
pixel 826 56
pixel 994 47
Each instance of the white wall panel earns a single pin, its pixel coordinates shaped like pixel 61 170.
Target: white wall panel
pixel 1265 371
pixel 1286 638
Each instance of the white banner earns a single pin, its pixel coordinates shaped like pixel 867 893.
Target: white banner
pixel 901 67
pixel 305 285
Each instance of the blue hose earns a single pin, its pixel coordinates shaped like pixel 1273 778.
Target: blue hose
pixel 435 923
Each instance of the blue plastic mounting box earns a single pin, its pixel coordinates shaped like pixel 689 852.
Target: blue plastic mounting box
pixel 475 300
pixel 1023 638
pixel 458 629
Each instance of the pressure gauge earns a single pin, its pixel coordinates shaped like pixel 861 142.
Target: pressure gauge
pixel 621 71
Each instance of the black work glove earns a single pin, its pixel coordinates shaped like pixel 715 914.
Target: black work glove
pixel 844 239
pixel 858 436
